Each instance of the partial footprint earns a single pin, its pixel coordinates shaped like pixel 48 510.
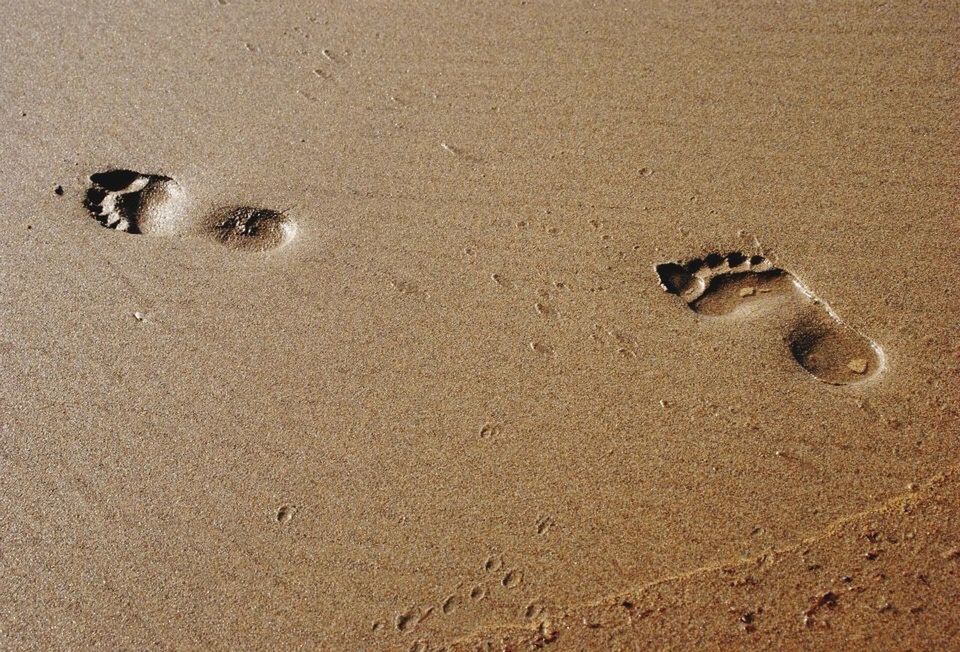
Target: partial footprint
pixel 246 228
pixel 735 285
pixel 136 203
pixel 157 205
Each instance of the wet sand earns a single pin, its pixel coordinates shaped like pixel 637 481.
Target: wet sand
pixel 394 361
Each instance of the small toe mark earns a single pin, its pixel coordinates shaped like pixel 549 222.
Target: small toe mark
pixel 735 258
pixel 713 260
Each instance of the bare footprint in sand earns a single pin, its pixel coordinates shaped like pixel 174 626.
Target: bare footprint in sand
pixel 739 286
pixel 136 203
pixel 245 228
pixel 153 204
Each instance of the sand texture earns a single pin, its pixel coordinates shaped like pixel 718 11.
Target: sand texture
pixel 368 326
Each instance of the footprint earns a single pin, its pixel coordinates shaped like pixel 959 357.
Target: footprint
pixel 136 203
pixel 248 228
pixel 736 285
pixel 157 205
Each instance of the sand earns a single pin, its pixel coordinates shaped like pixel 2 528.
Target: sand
pixel 348 326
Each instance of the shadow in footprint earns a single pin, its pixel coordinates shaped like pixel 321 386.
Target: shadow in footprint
pixel 736 285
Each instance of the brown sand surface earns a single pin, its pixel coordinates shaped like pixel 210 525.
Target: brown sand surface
pixel 440 397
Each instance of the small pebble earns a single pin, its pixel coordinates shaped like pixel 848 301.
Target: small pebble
pixel 139 316
pixel 857 365
pixel 284 514
pixel 58 191
pixel 747 292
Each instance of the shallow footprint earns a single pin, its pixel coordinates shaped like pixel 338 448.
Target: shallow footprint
pixel 737 285
pixel 248 228
pixel 136 203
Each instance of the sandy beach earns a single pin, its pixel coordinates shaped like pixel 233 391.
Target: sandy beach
pixel 496 326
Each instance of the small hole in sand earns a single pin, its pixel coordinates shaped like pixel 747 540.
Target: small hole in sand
pixel 284 514
pixel 756 260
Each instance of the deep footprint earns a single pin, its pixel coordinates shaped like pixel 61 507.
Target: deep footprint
pixel 136 203
pixel 737 285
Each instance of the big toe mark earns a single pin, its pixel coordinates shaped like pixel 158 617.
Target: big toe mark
pixel 116 180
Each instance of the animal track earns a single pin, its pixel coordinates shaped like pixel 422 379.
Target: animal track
pixel 494 576
pixel 511 579
pixel 737 285
pixel 535 610
pixel 478 592
pixel 285 513
pixel 493 563
pixel 450 604
pixel 136 203
pixel 157 205
pixel 544 523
